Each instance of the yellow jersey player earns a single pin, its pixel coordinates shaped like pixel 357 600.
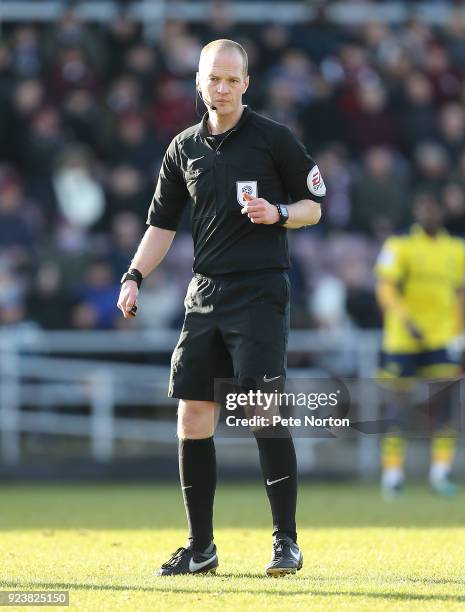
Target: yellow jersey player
pixel 420 290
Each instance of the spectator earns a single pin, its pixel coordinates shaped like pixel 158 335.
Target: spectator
pixel 136 145
pixel 27 99
pixel 220 23
pixel 82 118
pixel 122 34
pixel 70 32
pixel 80 198
pixel 70 247
pixel 445 78
pixel 12 310
pixel 297 72
pixel 334 167
pixel 372 123
pixel 128 190
pixel 452 129
pixel 321 118
pixel 126 230
pixel 142 62
pixel 281 105
pixel 71 70
pixel 453 38
pixel 453 196
pixel 173 109
pixel 26 58
pixel 124 95
pixel 274 40
pixel 319 38
pixel 84 316
pixel 47 303
pixel 17 233
pixel 43 143
pixel 380 199
pixel 431 166
pixel 360 300
pixel 418 115
pixel 96 296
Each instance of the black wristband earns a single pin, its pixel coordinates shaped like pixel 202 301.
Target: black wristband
pixel 134 275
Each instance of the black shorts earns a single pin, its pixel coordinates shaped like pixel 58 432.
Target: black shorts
pixel 236 327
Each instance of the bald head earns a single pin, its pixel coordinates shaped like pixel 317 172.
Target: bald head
pixel 224 46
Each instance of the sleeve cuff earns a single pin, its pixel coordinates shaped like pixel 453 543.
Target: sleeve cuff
pixel 161 222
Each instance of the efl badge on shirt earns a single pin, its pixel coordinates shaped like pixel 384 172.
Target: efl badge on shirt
pixel 315 182
pixel 243 187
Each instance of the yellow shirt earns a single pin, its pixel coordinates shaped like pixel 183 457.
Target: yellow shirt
pixel 428 271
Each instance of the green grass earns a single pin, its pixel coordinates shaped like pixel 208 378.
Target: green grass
pixel 103 543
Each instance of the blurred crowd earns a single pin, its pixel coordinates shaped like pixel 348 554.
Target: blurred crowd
pixel 87 110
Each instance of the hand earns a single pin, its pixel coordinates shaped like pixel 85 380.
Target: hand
pixel 260 211
pixel 414 331
pixel 127 301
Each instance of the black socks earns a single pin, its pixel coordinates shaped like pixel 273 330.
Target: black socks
pixel 279 469
pixel 197 471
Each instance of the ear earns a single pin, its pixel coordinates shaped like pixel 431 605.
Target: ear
pixel 197 84
pixel 246 84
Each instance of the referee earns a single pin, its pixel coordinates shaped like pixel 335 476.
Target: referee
pixel 240 170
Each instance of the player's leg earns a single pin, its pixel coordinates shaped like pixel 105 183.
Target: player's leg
pixel 279 470
pixel 442 372
pixel 256 335
pixel 197 470
pixel 396 377
pixel 199 357
pixel 393 445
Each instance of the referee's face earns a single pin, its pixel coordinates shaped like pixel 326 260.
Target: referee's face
pixel 222 81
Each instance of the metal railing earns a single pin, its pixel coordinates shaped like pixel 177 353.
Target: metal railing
pixel 46 371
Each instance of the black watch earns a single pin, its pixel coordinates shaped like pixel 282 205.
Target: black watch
pixel 283 214
pixel 134 275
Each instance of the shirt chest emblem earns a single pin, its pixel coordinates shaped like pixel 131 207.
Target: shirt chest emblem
pixel 244 188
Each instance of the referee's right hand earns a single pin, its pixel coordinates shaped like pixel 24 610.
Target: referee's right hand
pixel 127 301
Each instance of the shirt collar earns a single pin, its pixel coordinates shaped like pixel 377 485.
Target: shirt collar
pixel 417 230
pixel 203 127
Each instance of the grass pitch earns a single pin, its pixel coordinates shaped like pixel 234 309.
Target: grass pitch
pixel 104 542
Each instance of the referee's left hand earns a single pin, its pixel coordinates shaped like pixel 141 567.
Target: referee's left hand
pixel 260 210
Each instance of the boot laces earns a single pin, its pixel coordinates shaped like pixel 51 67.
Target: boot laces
pixel 175 558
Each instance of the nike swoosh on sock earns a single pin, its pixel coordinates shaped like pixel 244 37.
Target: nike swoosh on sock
pixel 272 482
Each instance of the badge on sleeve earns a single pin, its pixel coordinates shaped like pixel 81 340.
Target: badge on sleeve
pixel 315 182
pixel 245 187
